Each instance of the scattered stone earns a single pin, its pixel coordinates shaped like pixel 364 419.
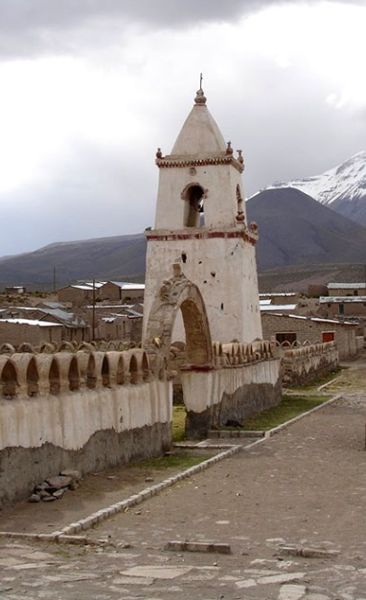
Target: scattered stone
pixel 149 479
pixel 75 475
pixel 179 546
pixel 74 485
pixel 156 572
pixel 59 493
pixel 49 499
pixel 281 578
pixel 34 498
pixel 58 482
pixel 41 487
pixel 308 552
pixel 44 494
pixel 292 592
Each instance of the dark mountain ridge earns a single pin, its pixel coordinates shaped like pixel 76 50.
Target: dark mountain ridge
pixel 294 229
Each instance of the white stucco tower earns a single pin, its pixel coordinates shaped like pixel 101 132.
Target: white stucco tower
pixel 201 224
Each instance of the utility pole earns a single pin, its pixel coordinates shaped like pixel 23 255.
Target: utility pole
pixel 93 312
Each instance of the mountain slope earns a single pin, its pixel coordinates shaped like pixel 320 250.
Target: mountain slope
pixel 296 229
pixel 114 257
pixel 343 188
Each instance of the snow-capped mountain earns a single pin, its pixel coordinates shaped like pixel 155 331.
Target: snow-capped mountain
pixel 342 188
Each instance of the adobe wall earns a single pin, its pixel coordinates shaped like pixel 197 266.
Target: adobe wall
pixel 308 363
pixel 246 380
pixel 85 410
pixel 311 332
pixel 16 333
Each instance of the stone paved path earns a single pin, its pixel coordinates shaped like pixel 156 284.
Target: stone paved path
pixel 305 486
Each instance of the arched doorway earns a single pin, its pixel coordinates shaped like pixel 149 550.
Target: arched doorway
pixel 179 295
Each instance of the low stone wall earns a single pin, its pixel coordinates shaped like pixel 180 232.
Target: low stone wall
pixel 246 380
pixel 305 364
pixel 85 411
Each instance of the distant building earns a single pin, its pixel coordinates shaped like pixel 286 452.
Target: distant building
pixel 35 332
pixel 114 291
pixel 347 289
pixel 299 329
pixel 122 291
pixel 280 297
pixel 349 306
pixel 79 293
pixel 15 289
pixel 72 326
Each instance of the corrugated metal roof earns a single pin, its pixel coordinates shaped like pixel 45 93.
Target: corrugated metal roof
pixel 315 319
pixel 347 286
pixel 272 307
pixel 341 299
pixel 33 322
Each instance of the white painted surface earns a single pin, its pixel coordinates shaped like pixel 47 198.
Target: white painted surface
pixel 204 389
pixel 70 419
pixel 222 267
pixel 230 296
pixel 199 131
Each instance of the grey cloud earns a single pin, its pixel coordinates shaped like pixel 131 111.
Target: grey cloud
pixel 33 26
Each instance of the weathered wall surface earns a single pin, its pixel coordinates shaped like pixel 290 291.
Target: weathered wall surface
pixel 304 365
pixel 247 380
pixel 310 330
pixel 85 410
pixel 16 332
pixel 213 264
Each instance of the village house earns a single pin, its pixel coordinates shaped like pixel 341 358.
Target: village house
pixel 72 327
pixel 280 297
pixel 116 321
pixel 300 329
pixel 16 331
pixel 82 293
pixel 15 289
pixel 79 293
pixel 347 289
pixel 343 306
pixel 122 291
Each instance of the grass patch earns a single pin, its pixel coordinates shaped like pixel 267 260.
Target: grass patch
pixel 317 383
pixel 181 460
pixel 179 422
pixel 289 407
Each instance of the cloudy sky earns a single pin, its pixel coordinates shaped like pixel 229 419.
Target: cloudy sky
pixel 90 88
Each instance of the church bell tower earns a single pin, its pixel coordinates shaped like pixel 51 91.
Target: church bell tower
pixel 201 223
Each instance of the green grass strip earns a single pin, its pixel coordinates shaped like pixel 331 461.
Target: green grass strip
pixel 289 407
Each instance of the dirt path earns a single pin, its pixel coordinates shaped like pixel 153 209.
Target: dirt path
pixel 305 486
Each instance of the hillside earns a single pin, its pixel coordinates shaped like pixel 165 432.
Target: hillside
pixel 118 257
pixel 295 229
pixel 342 188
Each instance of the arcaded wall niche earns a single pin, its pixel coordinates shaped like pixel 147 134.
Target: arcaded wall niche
pixel 82 410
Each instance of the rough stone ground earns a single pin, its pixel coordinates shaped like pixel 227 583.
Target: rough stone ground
pixel 306 485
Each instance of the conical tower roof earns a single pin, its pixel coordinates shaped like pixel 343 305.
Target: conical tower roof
pixel 200 134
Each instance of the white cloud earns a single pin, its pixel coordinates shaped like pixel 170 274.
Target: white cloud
pixel 274 80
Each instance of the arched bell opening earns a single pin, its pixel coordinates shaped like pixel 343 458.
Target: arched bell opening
pixel 194 196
